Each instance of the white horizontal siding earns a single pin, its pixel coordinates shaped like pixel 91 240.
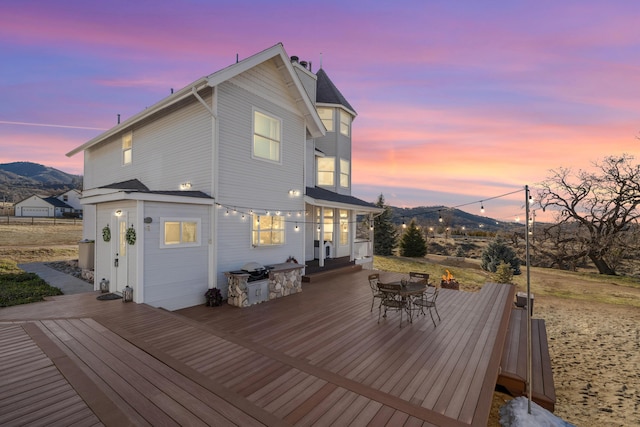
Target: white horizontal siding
pixel 175 278
pixel 167 150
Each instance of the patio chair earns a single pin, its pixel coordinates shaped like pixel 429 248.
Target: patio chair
pixel 428 300
pixel 419 277
pixel 391 300
pixel 374 280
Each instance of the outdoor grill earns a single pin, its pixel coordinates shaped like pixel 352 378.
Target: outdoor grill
pixel 255 271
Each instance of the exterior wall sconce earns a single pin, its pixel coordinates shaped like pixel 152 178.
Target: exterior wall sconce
pixel 118 212
pixel 185 185
pixel 294 193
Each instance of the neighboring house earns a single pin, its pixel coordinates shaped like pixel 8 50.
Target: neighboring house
pixel 72 198
pixel 250 163
pixel 42 206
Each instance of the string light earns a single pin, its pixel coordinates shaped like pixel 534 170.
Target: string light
pixel 481 207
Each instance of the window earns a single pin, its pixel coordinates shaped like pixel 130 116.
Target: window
pixel 345 123
pixel 328 225
pixel 127 147
pixel 268 230
pixel 344 227
pixel 344 173
pixel 180 232
pixel 266 137
pixel 326 115
pixel 65 198
pixel 326 171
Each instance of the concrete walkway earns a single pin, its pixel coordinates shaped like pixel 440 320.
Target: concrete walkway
pixel 67 283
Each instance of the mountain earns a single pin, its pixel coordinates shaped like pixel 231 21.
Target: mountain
pixel 19 180
pixel 451 217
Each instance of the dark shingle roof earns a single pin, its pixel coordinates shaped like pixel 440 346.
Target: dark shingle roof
pixel 329 196
pixel 135 185
pixel 56 203
pixel 328 93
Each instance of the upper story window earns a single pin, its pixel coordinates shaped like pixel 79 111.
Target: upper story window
pixel 345 123
pixel 127 148
pixel 65 198
pixel 267 230
pixel 326 171
pixel 326 114
pixel 267 135
pixel 345 172
pixel 180 232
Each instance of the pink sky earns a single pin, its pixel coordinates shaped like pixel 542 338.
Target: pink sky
pixel 457 101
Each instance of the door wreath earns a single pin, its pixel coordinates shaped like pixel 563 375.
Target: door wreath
pixel 106 233
pixel 130 237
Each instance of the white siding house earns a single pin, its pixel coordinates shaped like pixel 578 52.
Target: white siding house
pixel 214 176
pixel 42 206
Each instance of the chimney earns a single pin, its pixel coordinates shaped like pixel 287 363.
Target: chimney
pixel 294 59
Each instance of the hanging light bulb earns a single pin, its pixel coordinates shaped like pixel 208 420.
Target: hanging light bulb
pixel 439 217
pixel 481 207
pixel 297 228
pixel 530 199
pixel 227 212
pixel 243 217
pixel 403 224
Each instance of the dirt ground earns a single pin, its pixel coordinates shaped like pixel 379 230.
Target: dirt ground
pixel 595 354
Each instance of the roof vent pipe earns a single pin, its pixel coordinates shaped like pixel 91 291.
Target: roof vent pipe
pixel 304 64
pixel 118 118
pixel 294 59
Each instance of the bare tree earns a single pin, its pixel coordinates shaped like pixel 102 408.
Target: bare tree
pixel 600 205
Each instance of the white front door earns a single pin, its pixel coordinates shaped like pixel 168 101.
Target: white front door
pixel 120 256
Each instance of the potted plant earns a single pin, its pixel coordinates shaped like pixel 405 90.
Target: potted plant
pixel 214 297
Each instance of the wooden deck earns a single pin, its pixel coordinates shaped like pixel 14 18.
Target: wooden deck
pixel 315 358
pixel 513 368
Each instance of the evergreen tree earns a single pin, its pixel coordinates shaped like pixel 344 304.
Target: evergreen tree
pixel 497 252
pixel 412 243
pixel 385 235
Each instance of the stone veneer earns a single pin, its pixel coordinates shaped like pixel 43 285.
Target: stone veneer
pixel 284 279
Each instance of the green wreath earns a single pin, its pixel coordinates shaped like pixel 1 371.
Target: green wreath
pixel 106 233
pixel 130 237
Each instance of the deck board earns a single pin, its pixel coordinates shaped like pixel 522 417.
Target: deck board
pixel 308 358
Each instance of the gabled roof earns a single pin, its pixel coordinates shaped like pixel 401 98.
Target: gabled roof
pixel 131 185
pixel 321 197
pixel 328 93
pixel 298 93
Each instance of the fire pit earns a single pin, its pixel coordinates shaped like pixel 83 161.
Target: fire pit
pixel 448 282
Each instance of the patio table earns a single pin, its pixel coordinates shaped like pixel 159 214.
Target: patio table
pixel 407 291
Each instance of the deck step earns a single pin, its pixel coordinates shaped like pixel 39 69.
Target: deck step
pixel 513 366
pixel 351 268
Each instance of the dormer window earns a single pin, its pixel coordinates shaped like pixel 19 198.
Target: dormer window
pixel 326 115
pixel 345 123
pixel 127 148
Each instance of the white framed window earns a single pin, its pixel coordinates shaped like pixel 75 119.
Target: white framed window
pixel 345 172
pixel 328 225
pixel 180 232
pixel 326 115
pixel 267 230
pixel 267 137
pixel 127 148
pixel 344 227
pixel 345 123
pixel 326 171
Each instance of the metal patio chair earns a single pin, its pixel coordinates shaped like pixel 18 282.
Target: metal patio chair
pixel 428 300
pixel 391 300
pixel 374 280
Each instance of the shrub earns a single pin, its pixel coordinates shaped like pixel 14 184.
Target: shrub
pixel 503 274
pixel 497 252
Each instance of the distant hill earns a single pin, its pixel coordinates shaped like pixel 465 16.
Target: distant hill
pixel 451 217
pixel 19 180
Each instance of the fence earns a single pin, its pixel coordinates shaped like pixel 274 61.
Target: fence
pixel 39 220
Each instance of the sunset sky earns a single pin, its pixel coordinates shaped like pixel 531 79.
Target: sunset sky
pixel 457 101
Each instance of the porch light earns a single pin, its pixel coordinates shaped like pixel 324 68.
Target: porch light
pixel 185 185
pixel 127 294
pixel 294 193
pixel 118 212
